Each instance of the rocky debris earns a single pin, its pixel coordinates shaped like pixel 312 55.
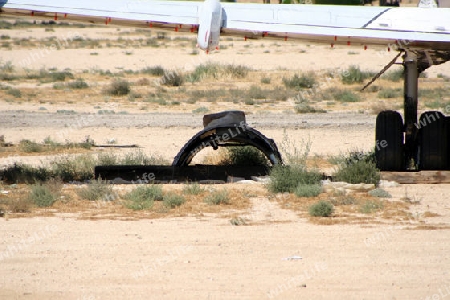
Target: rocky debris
pixel 347 188
pixel 388 184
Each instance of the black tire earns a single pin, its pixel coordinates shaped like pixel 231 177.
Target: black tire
pixel 433 141
pixel 389 141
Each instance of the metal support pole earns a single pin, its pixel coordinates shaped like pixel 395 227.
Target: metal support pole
pixel 410 108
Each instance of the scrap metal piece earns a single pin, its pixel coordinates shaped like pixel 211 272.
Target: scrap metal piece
pixel 226 129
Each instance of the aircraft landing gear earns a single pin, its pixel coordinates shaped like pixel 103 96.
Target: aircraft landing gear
pixel 414 145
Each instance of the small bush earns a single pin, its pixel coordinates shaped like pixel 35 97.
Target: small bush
pixel 355 75
pixel 217 198
pixel 303 108
pixel 358 172
pixel 20 205
pixel 345 96
pixel 143 197
pixel 287 178
pixel 308 190
pixel 344 200
pixel 193 189
pixel 394 75
pixel 265 80
pixel 245 156
pixel 97 190
pixel 155 71
pixel 41 195
pixel 172 79
pixel 200 110
pixel 321 209
pixel 173 200
pixel 74 168
pixel 304 81
pixel 371 206
pixel 78 84
pixel 29 146
pixel 256 92
pixel 25 173
pixel 388 93
pixel 14 92
pixel 380 193
pixel 118 87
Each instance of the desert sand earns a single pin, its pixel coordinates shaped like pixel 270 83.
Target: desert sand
pixel 281 254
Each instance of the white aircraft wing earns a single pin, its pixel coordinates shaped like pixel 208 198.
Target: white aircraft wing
pixel 407 28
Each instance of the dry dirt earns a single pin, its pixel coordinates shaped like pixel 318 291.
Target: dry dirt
pixel 79 251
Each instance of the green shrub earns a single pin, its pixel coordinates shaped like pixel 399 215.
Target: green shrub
pixel 321 209
pixel 245 156
pixel 303 108
pixel 287 178
pixel 355 75
pixel 118 87
pixel 388 93
pixel 380 193
pixel 370 206
pixel 217 198
pixel 265 80
pixel 78 84
pixel 172 79
pixel 358 172
pixel 345 96
pixel 155 71
pixel 304 81
pixel 173 200
pixel 215 70
pixel 14 92
pixel 24 173
pixel 193 189
pixel 41 195
pixel 394 75
pixel 308 190
pixel 256 92
pixel 97 190
pixel 29 146
pixel 78 168
pixel 143 197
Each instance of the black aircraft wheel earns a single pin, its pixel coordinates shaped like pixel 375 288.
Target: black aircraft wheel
pixel 433 141
pixel 389 141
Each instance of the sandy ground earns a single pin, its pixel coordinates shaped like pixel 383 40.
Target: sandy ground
pixel 204 257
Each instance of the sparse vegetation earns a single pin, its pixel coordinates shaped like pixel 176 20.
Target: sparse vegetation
pixel 245 156
pixel 41 195
pixel 193 189
pixel 304 81
pixel 172 200
pixel 118 87
pixel 321 209
pixel 390 93
pixel 77 84
pixel 354 75
pixel 97 190
pixel 143 197
pixel 360 171
pixel 217 197
pixel 308 190
pixel 371 206
pixel 394 75
pixel 287 178
pixel 380 193
pixel 345 96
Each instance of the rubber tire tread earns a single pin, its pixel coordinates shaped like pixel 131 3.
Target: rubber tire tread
pixel 389 128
